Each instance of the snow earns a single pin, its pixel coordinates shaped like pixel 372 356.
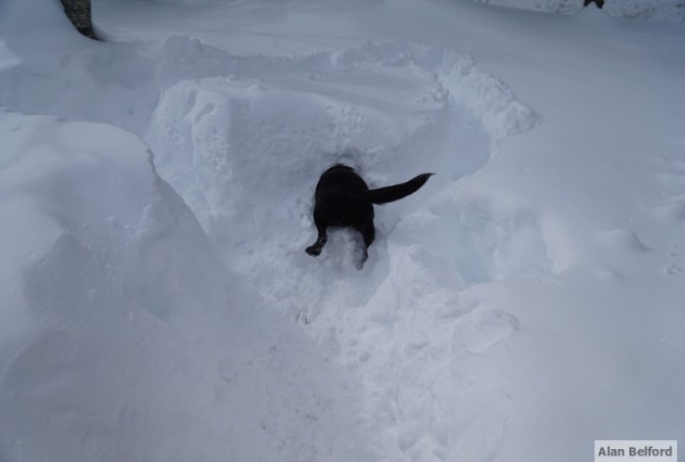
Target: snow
pixel 119 295
pixel 156 196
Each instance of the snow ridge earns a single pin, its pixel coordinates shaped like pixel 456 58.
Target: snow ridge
pixel 484 95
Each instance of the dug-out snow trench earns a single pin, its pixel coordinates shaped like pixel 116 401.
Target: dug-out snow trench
pixel 244 144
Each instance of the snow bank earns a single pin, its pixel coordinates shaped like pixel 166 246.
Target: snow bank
pixel 51 69
pixel 124 337
pixel 49 33
pixel 106 83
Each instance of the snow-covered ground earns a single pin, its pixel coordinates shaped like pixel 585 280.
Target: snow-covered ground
pixel 156 196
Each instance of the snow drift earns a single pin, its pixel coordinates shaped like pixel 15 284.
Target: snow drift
pixel 107 351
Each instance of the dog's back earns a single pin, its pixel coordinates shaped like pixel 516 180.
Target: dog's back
pixel 340 198
pixel 341 178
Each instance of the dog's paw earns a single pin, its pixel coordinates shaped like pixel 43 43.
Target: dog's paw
pixel 313 250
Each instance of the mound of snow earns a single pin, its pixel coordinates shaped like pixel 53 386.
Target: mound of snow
pixel 102 83
pixel 124 337
pixel 49 33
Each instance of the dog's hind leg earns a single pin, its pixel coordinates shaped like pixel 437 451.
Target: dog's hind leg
pixel 368 233
pixel 315 249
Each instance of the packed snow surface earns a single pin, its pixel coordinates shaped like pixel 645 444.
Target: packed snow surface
pixel 156 197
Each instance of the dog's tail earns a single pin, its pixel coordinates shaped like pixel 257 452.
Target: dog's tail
pixel 398 191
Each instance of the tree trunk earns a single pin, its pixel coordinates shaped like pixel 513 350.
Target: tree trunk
pixel 78 12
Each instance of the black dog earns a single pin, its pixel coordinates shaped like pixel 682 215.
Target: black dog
pixel 343 200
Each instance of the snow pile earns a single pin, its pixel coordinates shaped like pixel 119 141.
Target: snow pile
pixel 124 337
pixel 49 33
pixel 108 84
